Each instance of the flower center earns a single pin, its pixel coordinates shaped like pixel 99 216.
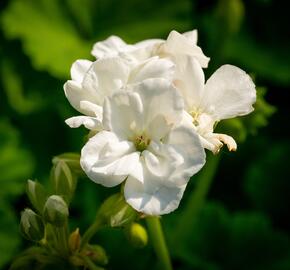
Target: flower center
pixel 141 142
pixel 195 114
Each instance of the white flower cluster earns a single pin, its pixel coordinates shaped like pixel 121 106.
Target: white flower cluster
pixel 151 114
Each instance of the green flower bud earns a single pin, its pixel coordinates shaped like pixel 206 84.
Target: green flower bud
pixel 74 240
pixel 64 182
pixel 115 212
pixel 36 194
pixel 31 225
pixel 137 235
pixel 96 254
pixel 71 159
pixel 55 211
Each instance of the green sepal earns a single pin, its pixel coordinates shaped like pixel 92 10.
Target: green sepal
pixel 115 212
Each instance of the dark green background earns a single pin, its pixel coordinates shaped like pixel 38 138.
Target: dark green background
pixel 245 222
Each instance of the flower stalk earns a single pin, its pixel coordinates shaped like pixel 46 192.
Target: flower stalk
pixel 90 232
pixel 158 241
pixel 197 197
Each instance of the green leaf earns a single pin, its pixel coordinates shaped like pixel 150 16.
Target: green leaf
pixel 54 43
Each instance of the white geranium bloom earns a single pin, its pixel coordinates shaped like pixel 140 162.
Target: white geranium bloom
pixel 175 44
pixel 93 81
pixel 142 145
pixel 228 93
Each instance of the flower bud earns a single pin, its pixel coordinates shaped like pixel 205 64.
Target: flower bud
pixel 55 211
pixel 96 254
pixel 137 235
pixel 71 159
pixel 74 240
pixel 64 182
pixel 115 212
pixel 36 194
pixel 31 225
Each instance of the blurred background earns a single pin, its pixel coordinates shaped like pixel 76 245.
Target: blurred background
pixel 244 223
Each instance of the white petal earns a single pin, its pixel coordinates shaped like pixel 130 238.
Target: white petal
pixel 79 68
pixel 123 114
pixel 91 123
pixel 152 197
pixel 106 76
pixel 228 140
pixel 228 93
pixel 76 94
pixel 148 43
pixel 141 51
pixel 158 128
pixel 189 80
pixel 94 109
pixel 109 47
pixel 108 161
pixel 145 49
pixel 191 36
pixel 191 156
pixel 159 98
pixel 152 68
pixel 176 44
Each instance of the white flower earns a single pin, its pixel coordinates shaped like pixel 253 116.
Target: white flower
pixel 143 146
pixel 93 81
pixel 176 44
pixel 228 93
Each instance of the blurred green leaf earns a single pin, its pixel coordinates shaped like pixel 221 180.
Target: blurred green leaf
pixel 9 234
pixel 261 114
pixel 16 163
pixel 231 14
pixel 241 127
pixel 267 180
pixel 54 43
pixel 271 63
pixel 83 11
pixel 14 91
pixel 233 241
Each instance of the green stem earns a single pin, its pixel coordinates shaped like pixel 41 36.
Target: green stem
pixel 91 231
pixel 158 241
pixel 197 198
pixel 90 264
pixel 63 240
